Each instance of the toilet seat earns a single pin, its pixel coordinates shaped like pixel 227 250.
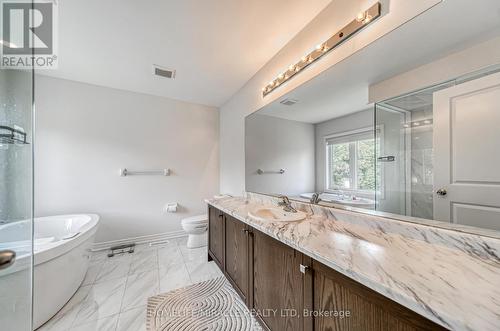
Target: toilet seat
pixel 196 227
pixel 199 219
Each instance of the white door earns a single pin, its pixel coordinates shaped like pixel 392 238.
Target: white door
pixel 467 153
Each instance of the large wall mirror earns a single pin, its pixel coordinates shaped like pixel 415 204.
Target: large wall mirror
pixel 427 148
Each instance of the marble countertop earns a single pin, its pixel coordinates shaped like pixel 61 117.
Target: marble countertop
pixel 450 277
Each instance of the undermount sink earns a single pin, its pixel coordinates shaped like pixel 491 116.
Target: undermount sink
pixel 275 214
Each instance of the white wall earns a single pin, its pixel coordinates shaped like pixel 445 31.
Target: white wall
pixel 449 67
pixel 359 120
pixel 273 143
pixel 249 98
pixel 85 133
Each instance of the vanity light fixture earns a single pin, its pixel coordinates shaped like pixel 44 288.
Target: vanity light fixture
pixel 362 20
pixel 414 124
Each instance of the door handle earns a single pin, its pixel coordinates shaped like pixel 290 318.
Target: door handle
pixel 442 192
pixel 303 268
pixel 7 258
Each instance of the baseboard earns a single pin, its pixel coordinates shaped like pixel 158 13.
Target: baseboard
pixel 139 240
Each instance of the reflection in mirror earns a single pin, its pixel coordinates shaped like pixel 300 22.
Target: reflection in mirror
pixel 437 145
pixel 411 135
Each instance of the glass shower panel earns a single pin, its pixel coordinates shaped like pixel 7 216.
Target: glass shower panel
pixel 16 216
pixel 391 160
pixel 406 133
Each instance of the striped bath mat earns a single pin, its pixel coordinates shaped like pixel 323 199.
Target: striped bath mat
pixel 210 305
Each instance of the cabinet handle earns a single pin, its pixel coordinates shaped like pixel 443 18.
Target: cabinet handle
pixel 303 268
pixel 221 215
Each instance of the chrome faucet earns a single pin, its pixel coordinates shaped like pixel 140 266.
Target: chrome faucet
pixel 315 199
pixel 286 204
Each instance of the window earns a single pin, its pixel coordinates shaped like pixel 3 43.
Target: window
pixel 351 162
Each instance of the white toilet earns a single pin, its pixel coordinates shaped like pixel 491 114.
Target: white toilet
pixel 196 227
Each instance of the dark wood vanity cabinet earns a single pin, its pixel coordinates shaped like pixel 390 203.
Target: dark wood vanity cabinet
pixel 236 260
pixel 278 284
pixel 368 310
pixel 216 236
pixel 290 291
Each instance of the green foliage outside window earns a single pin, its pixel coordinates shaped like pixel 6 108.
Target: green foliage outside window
pixel 352 165
pixel 340 172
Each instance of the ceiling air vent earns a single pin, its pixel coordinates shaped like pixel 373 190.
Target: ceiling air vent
pixel 163 72
pixel 288 102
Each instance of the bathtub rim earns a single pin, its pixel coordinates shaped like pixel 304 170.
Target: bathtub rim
pixel 54 250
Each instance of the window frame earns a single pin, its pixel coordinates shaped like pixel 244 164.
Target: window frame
pixel 378 132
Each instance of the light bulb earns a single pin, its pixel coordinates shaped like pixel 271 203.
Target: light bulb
pixel 280 76
pixel 292 67
pixel 319 46
pixel 367 19
pixel 427 122
pixel 304 58
pixel 416 123
pixel 361 16
pixel 297 69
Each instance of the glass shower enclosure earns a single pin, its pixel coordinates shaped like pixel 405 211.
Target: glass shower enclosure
pixel 405 153
pixel 16 199
pixel 405 149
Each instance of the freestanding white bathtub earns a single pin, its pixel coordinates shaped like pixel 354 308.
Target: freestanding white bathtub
pixel 61 259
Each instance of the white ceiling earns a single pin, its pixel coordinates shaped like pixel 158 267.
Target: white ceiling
pixel 216 46
pixel 343 89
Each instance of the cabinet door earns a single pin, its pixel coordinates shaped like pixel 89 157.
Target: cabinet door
pixel 236 255
pixel 277 284
pixel 216 236
pixel 368 310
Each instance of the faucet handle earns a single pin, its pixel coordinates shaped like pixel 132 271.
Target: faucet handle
pixel 284 200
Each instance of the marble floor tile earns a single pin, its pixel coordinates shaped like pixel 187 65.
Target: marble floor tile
pixel 112 269
pixel 65 317
pixel 139 288
pixel 200 271
pixel 103 300
pixel 103 324
pixel 174 277
pixel 98 257
pixel 132 320
pixel 194 254
pixel 144 261
pixel 169 256
pixel 118 287
pixel 92 273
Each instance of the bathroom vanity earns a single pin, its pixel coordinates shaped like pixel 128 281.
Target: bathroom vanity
pixel 330 267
